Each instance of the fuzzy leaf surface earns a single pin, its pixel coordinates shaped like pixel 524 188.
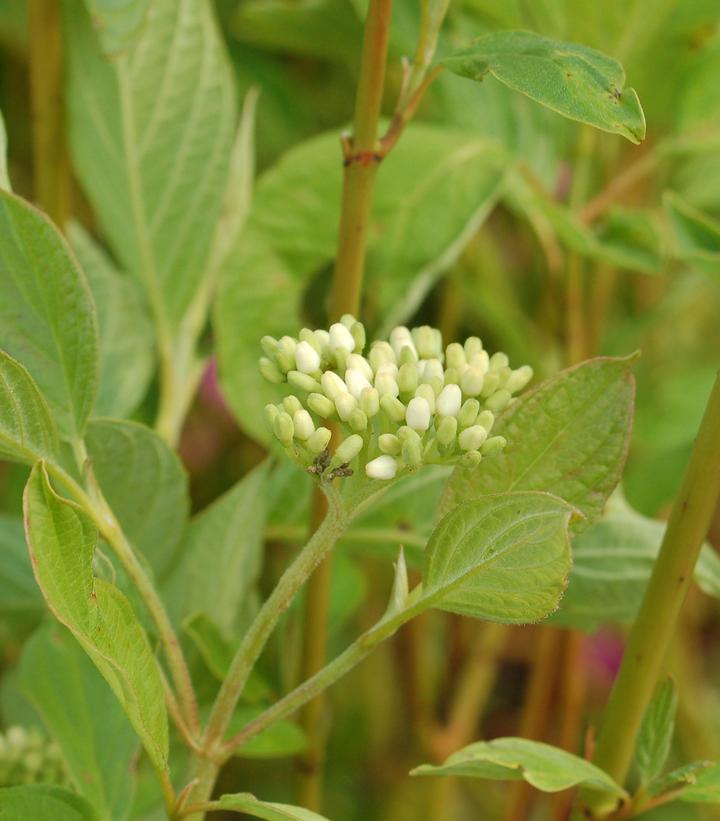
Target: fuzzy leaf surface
pixel 655 735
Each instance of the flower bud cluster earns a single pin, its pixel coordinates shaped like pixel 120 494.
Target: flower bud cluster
pixel 406 402
pixel 28 757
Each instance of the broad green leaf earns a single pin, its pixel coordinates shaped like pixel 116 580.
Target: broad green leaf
pixel 697 235
pixel 62 541
pixel 144 483
pixel 221 554
pixel 247 803
pixel 41 802
pixel 151 133
pixel 19 594
pixel 686 775
pixel 502 558
pixel 435 190
pixel 576 81
pixel 705 789
pixel 280 740
pixel 83 716
pixel 652 746
pixel 543 766
pixel 216 650
pixel 117 21
pixel 127 344
pixel 612 562
pixel 568 436
pixel 4 179
pixel 27 429
pixel 47 318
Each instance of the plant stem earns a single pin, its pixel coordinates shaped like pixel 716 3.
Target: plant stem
pixel 654 626
pixel 50 160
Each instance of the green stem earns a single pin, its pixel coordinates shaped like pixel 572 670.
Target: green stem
pixel 653 629
pixel 360 535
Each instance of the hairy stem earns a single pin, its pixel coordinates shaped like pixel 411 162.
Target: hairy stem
pixel 653 629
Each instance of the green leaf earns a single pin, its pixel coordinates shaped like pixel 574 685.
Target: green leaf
pixel 19 594
pixel 62 541
pixel 502 558
pixel 281 739
pixel 630 240
pixel 27 430
pixel 151 135
pixel 82 715
pixel 652 746
pixel 686 775
pixel 576 81
pixel 247 803
pixel 127 343
pixel 47 318
pixel 697 235
pixel 41 802
pixel 433 194
pixel 612 562
pixel 222 552
pixel 144 483
pixel 568 436
pixel 216 651
pixel 705 789
pixel 117 21
pixel 544 767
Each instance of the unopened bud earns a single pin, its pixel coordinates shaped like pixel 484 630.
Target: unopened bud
pixel 449 401
pixel 369 402
pixel 519 378
pixel 345 404
pixel 285 353
pixel 303 381
pixel 427 392
pixel 389 443
pixel 433 370
pixel 340 337
pixel 481 361
pixel 307 358
pixel 452 377
pixel 303 424
pixel 418 413
pixel 383 467
pixel 271 411
pixel 332 384
pixel 468 413
pixel 486 419
pixel 359 363
pixel 499 360
pixel 269 345
pixel 283 428
pixel 471 438
pixel 401 338
pixel 471 459
pixel 412 452
pixel 358 332
pixel 407 377
pixel 358 420
pixel 499 400
pixel 447 431
pixel 348 320
pixel 472 382
pixel 322 338
pixel 473 345
pixel 306 335
pixel 291 404
pixel 393 407
pixel 318 441
pixel 493 445
pixel 426 342
pixel 386 385
pixel 380 354
pixel 356 382
pixel 455 356
pixel 270 371
pixel 321 405
pixel 490 385
pixel 348 449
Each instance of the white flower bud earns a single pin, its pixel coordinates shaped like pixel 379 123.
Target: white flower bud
pixel 269 345
pixel 393 407
pixel 285 353
pixel 494 445
pixel 387 369
pixel 411 452
pixel 345 404
pixel 319 440
pixel 322 339
pixel 356 382
pixel 472 382
pixel 471 438
pixel 383 467
pixel 401 338
pixel 357 330
pixel 332 384
pixel 407 354
pixel 449 401
pixel 417 414
pixel 499 360
pixel 306 335
pixel 303 424
pixel 349 449
pixel 271 411
pixel 321 405
pixel 380 353
pixel 427 392
pixel 473 345
pixel 358 420
pixel 386 385
pixel 291 404
pixel 307 358
pixel 455 356
pixel 303 381
pixel 426 342
pixel 480 361
pixel 389 443
pixel 340 337
pixel 499 400
pixel 452 377
pixel 348 320
pixel 369 402
pixel 519 378
pixel 433 370
pixel 283 428
pixel 359 363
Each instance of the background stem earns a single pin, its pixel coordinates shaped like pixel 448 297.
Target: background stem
pixel 652 632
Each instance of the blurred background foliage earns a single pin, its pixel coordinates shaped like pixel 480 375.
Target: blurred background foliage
pixel 483 209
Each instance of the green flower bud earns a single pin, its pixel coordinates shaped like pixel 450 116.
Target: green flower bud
pixel 291 404
pixel 431 369
pixel 386 385
pixel 389 443
pixel 318 441
pixel 359 363
pixel 269 345
pixel 407 356
pixel 303 381
pixel 306 335
pixel 455 356
pixel 341 358
pixel 401 338
pixel 303 424
pixel 447 431
pixel 427 392
pixel 472 382
pixel 285 353
pixel 348 449
pixel 436 384
pixel 493 445
pixel 283 428
pixel 393 407
pixel 486 419
pixel 358 332
pixel 411 452
pixel 481 361
pixel 270 371
pixel 490 385
pixel 271 412
pixel 471 459
pixel 499 400
pixel 519 378
pixel 322 338
pixel 452 377
pixel 504 373
pixel 369 402
pixel 332 385
pixel 321 405
pixel 425 340
pixel 345 405
pixel 358 420
pixel 380 354
pixel 471 438
pixel 407 377
pixel 405 432
pixel 340 338
pixel 499 360
pixel 473 345
pixel 468 413
pixel 348 320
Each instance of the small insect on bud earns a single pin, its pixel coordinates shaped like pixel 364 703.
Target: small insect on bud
pixel 471 438
pixel 359 363
pixel 356 382
pixel 418 414
pixel 449 401
pixel 471 459
pixel 283 428
pixel 400 338
pixel 358 421
pixel 369 402
pixel 341 338
pixel 332 385
pixel 393 407
pixel 472 381
pixel 321 405
pixel 493 445
pixel 386 385
pixel 319 440
pixel 499 400
pixel 345 404
pixel 291 404
pixel 303 424
pixel 447 431
pixel 407 377
pixel 518 379
pixel 380 354
pixel 270 371
pixel 491 384
pixel 389 443
pixel 358 333
pixel 468 413
pixel 427 392
pixel 303 381
pixel 348 449
pixel 383 467
pixel 499 360
pixel 307 358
